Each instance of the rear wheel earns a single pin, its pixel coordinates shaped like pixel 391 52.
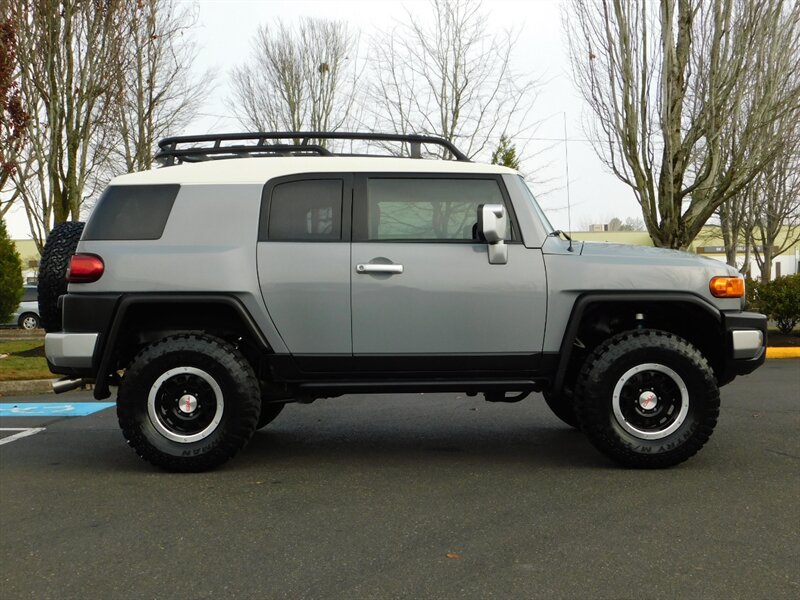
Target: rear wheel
pixel 647 399
pixel 188 403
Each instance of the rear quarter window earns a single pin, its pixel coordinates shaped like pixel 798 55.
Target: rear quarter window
pixel 306 211
pixel 131 212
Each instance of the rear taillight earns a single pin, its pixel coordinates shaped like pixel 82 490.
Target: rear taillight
pixel 85 268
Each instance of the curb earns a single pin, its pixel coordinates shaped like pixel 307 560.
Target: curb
pixel 783 352
pixel 26 386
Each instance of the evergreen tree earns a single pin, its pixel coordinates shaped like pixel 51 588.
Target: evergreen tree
pixel 506 154
pixel 10 275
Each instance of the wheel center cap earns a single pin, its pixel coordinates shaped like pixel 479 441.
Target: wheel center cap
pixel 187 403
pixel 648 400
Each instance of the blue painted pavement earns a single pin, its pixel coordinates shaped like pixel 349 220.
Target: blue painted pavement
pixel 51 409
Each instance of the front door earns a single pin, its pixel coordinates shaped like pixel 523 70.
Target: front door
pixel 424 296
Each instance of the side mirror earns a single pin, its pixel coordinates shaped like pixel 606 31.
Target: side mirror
pixel 492 225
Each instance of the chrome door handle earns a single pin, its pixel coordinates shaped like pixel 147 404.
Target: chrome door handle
pixel 379 268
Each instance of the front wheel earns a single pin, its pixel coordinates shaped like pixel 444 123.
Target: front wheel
pixel 647 399
pixel 188 402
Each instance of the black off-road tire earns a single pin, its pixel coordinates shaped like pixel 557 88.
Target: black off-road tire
pixel 642 367
pixel 188 366
pixel 269 412
pixel 562 407
pixel 59 247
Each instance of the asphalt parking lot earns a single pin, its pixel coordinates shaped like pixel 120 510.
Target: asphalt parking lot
pixel 407 496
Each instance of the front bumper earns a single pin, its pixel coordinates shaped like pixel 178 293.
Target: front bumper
pixel 745 343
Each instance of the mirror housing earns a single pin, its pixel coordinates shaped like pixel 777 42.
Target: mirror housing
pixel 492 226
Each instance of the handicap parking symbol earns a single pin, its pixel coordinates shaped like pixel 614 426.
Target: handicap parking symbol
pixel 51 409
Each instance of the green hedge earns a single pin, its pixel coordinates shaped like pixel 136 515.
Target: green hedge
pixel 751 287
pixel 779 299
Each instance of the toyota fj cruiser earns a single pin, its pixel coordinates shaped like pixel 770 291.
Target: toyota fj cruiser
pixel 213 292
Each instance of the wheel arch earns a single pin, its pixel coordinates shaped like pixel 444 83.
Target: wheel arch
pixel 597 316
pixel 140 319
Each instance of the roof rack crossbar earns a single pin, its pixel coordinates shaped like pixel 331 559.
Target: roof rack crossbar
pixel 169 156
pixel 168 152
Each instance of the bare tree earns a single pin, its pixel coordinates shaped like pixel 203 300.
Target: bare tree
pixel 735 221
pixel 13 117
pixel 630 224
pixel 68 55
pixel 774 203
pixel 451 79
pixel 662 80
pixel 298 78
pixel 155 92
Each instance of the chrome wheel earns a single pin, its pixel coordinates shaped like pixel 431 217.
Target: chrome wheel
pixel 650 401
pixel 29 322
pixel 185 404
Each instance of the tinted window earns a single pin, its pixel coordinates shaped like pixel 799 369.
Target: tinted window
pixel 131 212
pixel 306 211
pixel 30 295
pixel 427 209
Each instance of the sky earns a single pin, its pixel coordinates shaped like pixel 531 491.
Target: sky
pixel 225 29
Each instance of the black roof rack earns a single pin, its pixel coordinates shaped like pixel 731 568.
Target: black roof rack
pixel 210 147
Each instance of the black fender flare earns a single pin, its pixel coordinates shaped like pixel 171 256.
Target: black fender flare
pixel 587 299
pixel 105 352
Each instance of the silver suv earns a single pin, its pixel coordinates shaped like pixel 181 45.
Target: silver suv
pixel 27 314
pixel 213 292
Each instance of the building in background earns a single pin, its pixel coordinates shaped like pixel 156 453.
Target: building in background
pixel 29 255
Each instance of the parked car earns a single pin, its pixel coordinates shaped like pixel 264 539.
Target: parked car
pixel 213 292
pixel 27 314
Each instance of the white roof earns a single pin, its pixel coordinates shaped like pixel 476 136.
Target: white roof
pixel 259 170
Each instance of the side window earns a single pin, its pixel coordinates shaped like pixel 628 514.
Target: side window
pixel 420 209
pixel 131 212
pixel 305 211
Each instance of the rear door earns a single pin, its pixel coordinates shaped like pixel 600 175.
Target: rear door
pixel 303 259
pixel 424 296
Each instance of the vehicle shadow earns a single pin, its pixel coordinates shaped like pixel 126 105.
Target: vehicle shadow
pixel 378 447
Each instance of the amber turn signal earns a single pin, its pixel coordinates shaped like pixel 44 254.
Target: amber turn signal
pixel 727 287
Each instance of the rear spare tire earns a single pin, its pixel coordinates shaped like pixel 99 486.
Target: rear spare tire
pixel 60 246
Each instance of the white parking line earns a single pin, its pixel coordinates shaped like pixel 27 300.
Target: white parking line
pixel 23 432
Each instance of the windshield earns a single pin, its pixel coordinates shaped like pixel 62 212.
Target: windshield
pixel 538 209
